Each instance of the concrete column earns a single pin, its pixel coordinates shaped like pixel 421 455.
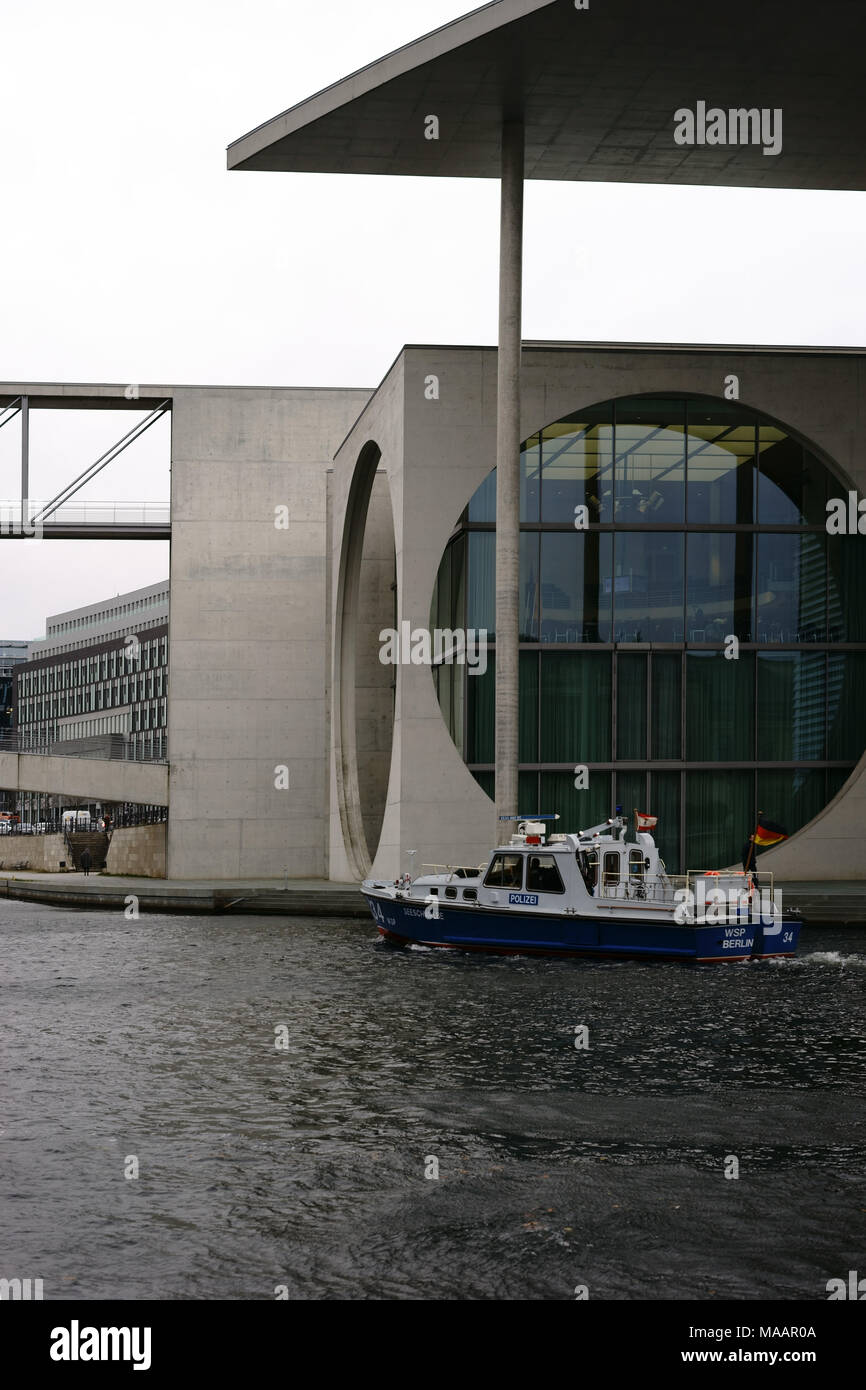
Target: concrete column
pixel 25 463
pixel 508 468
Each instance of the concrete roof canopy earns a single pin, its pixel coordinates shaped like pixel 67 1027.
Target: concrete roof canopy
pixel 597 89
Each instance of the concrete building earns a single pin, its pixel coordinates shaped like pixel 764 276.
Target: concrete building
pixel 12 654
pixel 305 523
pixel 98 679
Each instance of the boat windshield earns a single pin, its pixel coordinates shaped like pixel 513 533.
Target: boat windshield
pixel 506 871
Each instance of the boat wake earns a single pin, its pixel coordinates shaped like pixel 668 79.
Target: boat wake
pixel 834 958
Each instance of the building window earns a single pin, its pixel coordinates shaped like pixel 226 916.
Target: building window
pixel 704 521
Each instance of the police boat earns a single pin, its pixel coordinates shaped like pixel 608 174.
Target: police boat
pixel 593 893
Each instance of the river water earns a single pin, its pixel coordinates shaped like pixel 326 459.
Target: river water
pixel 282 1088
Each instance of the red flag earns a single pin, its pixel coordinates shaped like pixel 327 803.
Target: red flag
pixel 644 821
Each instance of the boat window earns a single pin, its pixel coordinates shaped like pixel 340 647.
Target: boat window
pixel 506 871
pixel 587 861
pixel 611 867
pixel 542 875
pixel 637 865
pixel 470 894
pixel 451 892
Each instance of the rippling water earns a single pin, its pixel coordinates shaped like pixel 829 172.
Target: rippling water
pixel 303 1167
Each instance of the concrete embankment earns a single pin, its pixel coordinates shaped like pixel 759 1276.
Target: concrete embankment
pixel 298 898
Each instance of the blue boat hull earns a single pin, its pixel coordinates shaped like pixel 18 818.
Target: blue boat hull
pixel 479 929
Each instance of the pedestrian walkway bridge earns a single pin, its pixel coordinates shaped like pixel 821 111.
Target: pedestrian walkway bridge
pixel 85 779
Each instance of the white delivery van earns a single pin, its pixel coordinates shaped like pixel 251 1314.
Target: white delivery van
pixel 76 820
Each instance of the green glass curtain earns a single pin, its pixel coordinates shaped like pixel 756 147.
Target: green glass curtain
pixel 631 692
pixel 575 707
pixel 720 711
pixel 577 809
pixel 720 817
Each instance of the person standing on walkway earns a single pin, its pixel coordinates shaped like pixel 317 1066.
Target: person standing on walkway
pixel 86 861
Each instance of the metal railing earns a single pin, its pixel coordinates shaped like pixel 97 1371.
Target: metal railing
pixel 114 748
pixel 81 513
pixel 141 815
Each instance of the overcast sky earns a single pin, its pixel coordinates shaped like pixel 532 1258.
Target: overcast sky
pixel 129 254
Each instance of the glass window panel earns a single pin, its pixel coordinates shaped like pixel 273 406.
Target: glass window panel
pixel 846 560
pixel 578 810
pixel 481 581
pixel 527 795
pixel 793 798
pixel 720 817
pixel 791 598
pixel 846 709
pixel 485 781
pixel 720 465
pixel 530 478
pixel 792 482
pixel 480 713
pixel 506 871
pixel 650 460
pixel 577 456
pixel 575 707
pixel 529 587
pixel 836 779
pixel 720 710
pixel 630 794
pixel 482 504
pixel 648 587
pixel 791 706
pixel 665 804
pixel 542 874
pixel 719 587
pixel 631 692
pixel 576 586
pixel 666 706
pixel 528 707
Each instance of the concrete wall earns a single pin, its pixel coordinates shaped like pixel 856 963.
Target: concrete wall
pixel 249 644
pixel 137 849
pixel 41 853
pixel 437 452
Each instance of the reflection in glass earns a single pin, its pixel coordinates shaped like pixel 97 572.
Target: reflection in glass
pixel 796 796
pixel 846 683
pixel 575 597
pixel 578 468
pixel 635 464
pixel 791 597
pixel 481 582
pixel 650 469
pixel 792 482
pixel 791 706
pixel 846 588
pixel 720 465
pixel 647 586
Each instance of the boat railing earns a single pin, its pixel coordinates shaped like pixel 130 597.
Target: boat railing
pixel 651 888
pixel 734 880
pixel 456 870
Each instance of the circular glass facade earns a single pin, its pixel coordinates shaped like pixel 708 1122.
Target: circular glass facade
pixel 653 532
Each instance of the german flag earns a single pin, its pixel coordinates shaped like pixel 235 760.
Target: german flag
pixel 767 833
